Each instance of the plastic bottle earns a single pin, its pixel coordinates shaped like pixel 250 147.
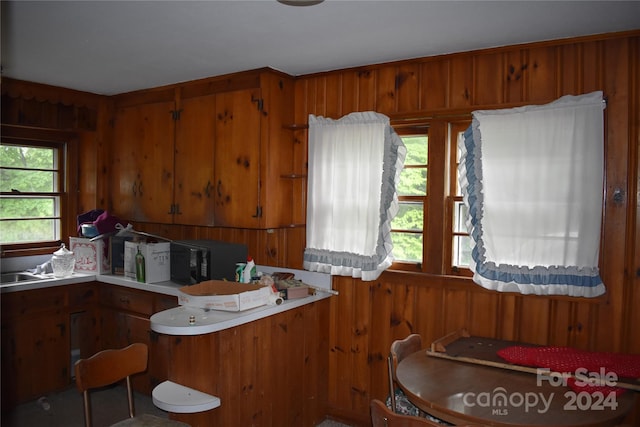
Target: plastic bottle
pixel 140 273
pixel 249 271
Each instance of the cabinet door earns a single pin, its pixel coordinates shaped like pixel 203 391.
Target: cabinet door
pixel 194 145
pixel 143 162
pixel 237 159
pixel 125 177
pixel 155 163
pixel 35 357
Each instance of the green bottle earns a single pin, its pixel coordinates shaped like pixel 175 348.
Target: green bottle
pixel 140 267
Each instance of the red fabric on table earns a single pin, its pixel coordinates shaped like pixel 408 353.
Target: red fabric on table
pixel 569 360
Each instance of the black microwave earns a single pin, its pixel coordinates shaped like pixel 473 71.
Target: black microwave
pixel 194 261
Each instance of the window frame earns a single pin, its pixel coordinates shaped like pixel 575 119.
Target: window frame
pixel 437 232
pixel 455 127
pixel 409 130
pixel 67 145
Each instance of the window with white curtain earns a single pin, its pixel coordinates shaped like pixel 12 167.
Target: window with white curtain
pixel 354 165
pixel 532 180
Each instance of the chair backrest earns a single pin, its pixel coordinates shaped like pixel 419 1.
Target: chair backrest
pixel 399 350
pixel 109 367
pixel 381 416
pixel 403 348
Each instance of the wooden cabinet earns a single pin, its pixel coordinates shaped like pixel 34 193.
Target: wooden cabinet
pixel 124 319
pixel 37 335
pixel 194 159
pixel 268 372
pixel 208 153
pixel 142 162
pixel 237 159
pixel 253 152
pixel 162 162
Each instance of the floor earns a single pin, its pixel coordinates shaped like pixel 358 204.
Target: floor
pixel 109 405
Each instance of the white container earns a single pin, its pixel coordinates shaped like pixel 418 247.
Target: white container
pixel 249 271
pixel 156 257
pixel 91 257
pixel 63 262
pixel 225 296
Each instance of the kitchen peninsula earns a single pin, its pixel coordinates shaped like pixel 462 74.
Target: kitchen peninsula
pixel 254 361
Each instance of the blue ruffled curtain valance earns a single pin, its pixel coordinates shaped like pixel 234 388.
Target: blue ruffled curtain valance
pixel 532 180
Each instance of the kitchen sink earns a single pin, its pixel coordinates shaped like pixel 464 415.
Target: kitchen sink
pixel 9 278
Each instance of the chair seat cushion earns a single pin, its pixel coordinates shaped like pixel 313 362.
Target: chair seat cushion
pixel 147 420
pixel 405 407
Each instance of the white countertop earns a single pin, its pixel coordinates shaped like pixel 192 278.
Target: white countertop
pixel 48 281
pixel 175 321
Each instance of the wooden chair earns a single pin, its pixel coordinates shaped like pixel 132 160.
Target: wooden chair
pixel 109 367
pixel 399 350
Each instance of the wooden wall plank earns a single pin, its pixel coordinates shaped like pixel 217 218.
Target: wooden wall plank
pixel 515 77
pixel 591 66
pixel 333 96
pixel 570 78
pixel 366 82
pixel 360 328
pixel 386 90
pixel 534 317
pixel 541 73
pixel 434 77
pixel 349 92
pixel 480 322
pixel 616 81
pixel 381 335
pixel 489 78
pixel 407 87
pixel 461 82
pixel 507 324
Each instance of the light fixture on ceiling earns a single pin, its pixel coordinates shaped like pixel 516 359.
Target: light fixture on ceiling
pixel 300 2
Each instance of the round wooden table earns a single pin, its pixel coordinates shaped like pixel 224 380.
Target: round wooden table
pixel 466 393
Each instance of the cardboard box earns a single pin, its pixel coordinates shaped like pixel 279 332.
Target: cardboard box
pixel 91 257
pixel 292 289
pixel 116 253
pixel 157 258
pixel 226 296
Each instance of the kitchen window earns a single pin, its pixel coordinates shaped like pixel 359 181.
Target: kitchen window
pixel 460 250
pixel 408 226
pixel 34 203
pixel 429 233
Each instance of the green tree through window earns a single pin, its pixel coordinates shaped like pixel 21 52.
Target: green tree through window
pixel 30 193
pixel 407 226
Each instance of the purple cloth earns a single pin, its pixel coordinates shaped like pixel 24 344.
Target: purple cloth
pixel 88 218
pixel 106 223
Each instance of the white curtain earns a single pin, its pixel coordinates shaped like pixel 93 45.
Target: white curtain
pixel 532 179
pixel 354 165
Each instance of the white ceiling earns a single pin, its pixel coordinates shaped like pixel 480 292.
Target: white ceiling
pixel 110 47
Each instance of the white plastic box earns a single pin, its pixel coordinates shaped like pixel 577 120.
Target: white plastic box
pixel 225 296
pixel 91 257
pixel 157 258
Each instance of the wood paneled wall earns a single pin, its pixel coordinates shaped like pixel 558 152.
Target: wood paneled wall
pixel 367 316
